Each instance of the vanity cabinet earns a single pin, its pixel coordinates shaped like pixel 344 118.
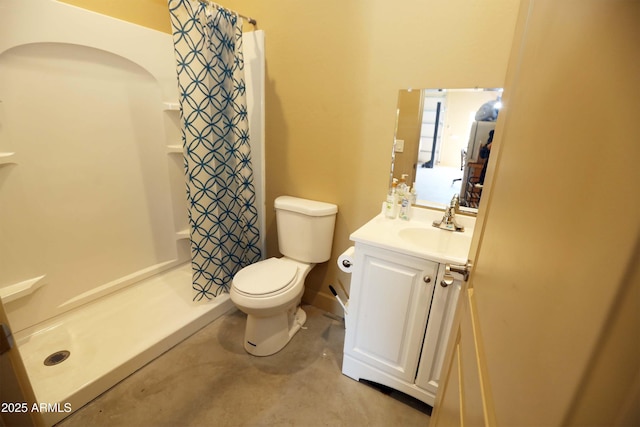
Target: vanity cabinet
pixel 443 307
pixel 398 321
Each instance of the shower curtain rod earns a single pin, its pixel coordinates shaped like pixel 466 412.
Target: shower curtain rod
pixel 246 18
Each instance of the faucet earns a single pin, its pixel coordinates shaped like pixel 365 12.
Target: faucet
pixel 448 221
pixel 455 203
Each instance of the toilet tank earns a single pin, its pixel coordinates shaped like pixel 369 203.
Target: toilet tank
pixel 305 228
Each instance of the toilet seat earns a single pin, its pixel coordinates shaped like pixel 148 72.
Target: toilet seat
pixel 266 277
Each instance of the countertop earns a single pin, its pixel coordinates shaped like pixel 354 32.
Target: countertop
pixel 417 237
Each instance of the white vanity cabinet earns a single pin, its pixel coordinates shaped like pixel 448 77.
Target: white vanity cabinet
pixel 436 336
pixel 388 310
pixel 399 317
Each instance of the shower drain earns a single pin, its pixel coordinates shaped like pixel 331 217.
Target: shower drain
pixel 57 357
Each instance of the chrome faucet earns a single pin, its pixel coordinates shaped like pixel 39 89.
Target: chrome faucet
pixel 455 203
pixel 448 221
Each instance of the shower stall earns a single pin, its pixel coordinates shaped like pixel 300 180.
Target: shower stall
pixel 95 272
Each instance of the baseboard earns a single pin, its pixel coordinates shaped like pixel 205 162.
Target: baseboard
pixel 325 302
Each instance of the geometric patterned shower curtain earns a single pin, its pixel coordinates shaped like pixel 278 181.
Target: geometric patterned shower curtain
pixel 222 214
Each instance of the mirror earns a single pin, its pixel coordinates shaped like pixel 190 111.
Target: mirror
pixel 440 141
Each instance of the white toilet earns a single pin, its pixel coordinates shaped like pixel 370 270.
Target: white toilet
pixel 270 291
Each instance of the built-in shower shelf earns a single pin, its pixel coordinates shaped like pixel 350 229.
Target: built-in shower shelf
pixel 174 149
pixel 21 289
pixel 182 234
pixel 7 158
pixel 171 106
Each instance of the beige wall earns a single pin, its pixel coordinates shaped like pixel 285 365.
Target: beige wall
pixel 333 73
pixel 149 13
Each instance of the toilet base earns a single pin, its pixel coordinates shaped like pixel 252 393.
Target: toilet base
pixel 265 336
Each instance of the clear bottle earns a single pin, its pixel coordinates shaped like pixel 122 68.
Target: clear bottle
pixel 414 194
pixel 405 206
pixel 402 186
pixel 391 204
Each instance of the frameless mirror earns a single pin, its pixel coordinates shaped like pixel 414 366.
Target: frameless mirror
pixel 442 143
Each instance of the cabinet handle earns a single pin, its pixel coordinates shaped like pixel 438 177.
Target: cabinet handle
pixel 427 279
pixel 446 281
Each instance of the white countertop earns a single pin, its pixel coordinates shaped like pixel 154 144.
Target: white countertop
pixel 417 237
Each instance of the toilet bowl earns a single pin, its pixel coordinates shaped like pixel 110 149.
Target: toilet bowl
pixel 270 291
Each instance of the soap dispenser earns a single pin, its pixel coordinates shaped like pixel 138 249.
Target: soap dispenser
pixel 405 205
pixel 402 186
pixel 414 194
pixel 391 204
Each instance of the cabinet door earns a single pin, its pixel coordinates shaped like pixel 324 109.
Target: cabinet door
pixel 392 302
pixel 443 308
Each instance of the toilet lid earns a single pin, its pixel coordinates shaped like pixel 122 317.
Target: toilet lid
pixel 265 277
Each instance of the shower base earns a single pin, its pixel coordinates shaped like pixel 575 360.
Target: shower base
pixel 110 338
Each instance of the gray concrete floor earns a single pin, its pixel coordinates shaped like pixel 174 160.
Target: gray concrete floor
pixel 209 380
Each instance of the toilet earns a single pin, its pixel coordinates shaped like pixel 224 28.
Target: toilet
pixel 270 291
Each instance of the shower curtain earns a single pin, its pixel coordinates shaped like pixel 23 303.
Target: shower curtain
pixel 223 217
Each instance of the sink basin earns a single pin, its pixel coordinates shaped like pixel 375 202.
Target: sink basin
pixel 433 239
pixel 417 237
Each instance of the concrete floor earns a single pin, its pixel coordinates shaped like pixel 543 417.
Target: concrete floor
pixel 209 380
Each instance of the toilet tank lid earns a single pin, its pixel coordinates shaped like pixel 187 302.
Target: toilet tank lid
pixel 305 206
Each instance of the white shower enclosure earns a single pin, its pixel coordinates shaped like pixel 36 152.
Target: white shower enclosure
pixel 93 209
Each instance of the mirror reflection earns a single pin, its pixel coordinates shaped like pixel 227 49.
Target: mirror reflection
pixel 443 141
